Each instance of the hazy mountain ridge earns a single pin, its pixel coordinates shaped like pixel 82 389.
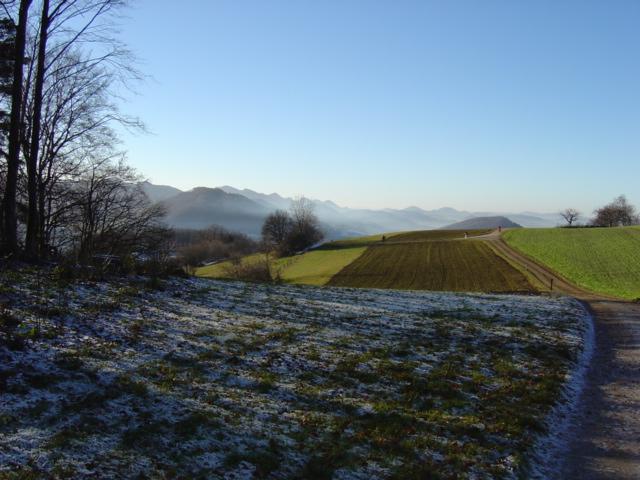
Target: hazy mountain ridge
pixel 158 193
pixel 244 210
pixel 477 223
pixel 202 207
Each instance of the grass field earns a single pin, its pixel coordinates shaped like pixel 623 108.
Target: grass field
pixel 317 267
pixel 604 260
pixel 433 265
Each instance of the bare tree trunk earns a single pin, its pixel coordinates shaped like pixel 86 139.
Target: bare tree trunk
pixel 10 240
pixel 33 220
pixel 42 237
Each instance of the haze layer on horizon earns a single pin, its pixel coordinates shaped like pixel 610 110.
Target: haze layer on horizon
pixel 494 106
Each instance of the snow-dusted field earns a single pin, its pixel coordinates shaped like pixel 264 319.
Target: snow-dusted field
pixel 208 379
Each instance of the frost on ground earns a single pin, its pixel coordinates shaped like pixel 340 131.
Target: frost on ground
pixel 206 379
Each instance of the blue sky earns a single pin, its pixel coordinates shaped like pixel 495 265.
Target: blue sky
pixel 480 105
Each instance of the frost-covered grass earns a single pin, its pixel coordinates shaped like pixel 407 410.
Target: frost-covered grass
pixel 207 379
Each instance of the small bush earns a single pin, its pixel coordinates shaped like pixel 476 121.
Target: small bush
pixel 66 271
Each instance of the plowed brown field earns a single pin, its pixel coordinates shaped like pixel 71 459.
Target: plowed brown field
pixel 450 265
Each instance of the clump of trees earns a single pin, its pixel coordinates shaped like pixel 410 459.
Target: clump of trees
pixel 287 233
pixel 64 184
pixel 618 213
pixel 196 247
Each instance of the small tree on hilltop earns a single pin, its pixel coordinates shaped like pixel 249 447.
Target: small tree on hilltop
pixel 570 216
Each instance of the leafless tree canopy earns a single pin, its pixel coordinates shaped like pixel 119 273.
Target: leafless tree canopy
pixel 294 231
pixel 110 214
pixel 276 228
pixel 63 180
pixel 570 216
pixel 618 213
pixel 196 247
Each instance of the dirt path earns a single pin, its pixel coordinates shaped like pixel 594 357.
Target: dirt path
pixel 604 437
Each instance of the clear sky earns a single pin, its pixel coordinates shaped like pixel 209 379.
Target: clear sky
pixel 481 105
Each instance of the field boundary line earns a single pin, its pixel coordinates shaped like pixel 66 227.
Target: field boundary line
pixel 530 276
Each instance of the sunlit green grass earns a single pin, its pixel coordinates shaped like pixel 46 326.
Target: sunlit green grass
pixel 318 266
pixel 312 268
pixel 604 260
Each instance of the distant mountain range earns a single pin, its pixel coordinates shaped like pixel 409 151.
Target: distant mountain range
pixel 244 211
pixel 478 223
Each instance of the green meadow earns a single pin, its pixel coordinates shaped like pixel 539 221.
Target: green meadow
pixel 603 260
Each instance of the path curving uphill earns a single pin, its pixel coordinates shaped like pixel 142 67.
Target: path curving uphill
pixel 604 437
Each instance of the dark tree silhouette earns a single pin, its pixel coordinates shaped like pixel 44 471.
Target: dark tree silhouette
pixel 275 229
pixel 570 216
pixel 62 112
pixel 616 214
pixel 291 232
pixel 10 231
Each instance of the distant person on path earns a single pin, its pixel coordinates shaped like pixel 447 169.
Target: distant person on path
pixel 465 235
pixel 384 238
pixel 499 228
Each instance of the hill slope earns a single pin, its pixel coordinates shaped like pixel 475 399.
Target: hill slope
pixel 482 222
pixel 159 193
pixel 604 260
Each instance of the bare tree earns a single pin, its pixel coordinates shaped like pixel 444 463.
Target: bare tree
pixel 60 104
pixel 33 223
pixel 77 116
pixel 305 227
pixel 293 231
pixel 64 25
pixel 111 214
pixel 7 40
pixel 570 216
pixel 302 211
pixel 275 229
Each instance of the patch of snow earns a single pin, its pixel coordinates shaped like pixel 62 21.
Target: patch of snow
pixel 549 450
